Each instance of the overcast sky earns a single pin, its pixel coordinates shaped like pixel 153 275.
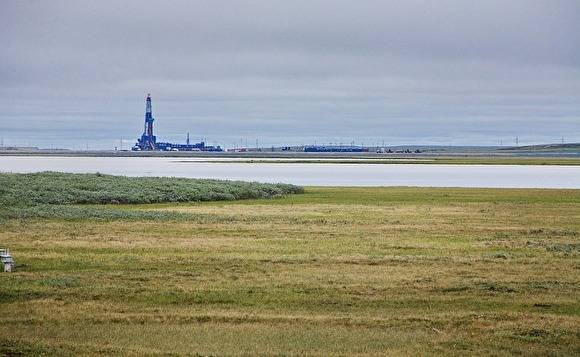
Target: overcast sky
pixel 290 72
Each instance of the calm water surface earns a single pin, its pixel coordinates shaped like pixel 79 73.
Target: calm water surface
pixel 434 175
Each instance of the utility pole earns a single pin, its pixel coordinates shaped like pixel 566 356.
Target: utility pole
pixel 517 141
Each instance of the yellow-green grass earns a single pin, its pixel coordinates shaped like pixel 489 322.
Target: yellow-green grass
pixel 334 271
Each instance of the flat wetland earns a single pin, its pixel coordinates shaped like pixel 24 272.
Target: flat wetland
pixel 331 271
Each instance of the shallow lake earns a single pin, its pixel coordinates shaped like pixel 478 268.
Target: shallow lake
pixel 432 175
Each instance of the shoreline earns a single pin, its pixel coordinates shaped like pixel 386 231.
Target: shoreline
pixel 321 158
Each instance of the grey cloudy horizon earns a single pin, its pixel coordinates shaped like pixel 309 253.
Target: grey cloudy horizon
pixel 459 72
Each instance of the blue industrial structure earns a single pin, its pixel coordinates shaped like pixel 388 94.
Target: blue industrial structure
pixel 335 148
pixel 148 141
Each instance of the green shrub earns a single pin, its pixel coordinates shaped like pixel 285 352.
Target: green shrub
pixel 62 189
pixel 67 196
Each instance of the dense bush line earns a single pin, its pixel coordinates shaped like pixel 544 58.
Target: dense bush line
pixel 55 188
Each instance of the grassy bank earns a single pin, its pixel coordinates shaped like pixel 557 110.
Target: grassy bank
pixel 419 160
pixel 329 272
pixel 470 157
pixel 54 188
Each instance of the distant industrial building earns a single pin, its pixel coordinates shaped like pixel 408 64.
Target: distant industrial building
pixel 335 148
pixel 148 141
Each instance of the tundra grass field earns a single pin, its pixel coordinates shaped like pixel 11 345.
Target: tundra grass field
pixel 331 271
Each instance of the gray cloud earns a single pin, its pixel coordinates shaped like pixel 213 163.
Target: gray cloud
pixel 291 71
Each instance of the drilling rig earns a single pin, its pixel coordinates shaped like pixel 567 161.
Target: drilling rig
pixel 148 141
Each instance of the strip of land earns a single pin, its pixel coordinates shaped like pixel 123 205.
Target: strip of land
pixel 509 160
pixel 481 157
pixel 332 271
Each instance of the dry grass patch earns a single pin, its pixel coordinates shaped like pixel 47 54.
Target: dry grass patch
pixel 342 271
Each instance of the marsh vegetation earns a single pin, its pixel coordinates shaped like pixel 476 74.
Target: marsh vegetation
pixel 333 271
pixel 98 196
pixel 65 188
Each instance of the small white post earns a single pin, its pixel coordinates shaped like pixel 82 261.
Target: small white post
pixel 6 260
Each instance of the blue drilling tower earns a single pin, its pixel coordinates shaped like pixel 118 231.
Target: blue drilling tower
pixel 148 141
